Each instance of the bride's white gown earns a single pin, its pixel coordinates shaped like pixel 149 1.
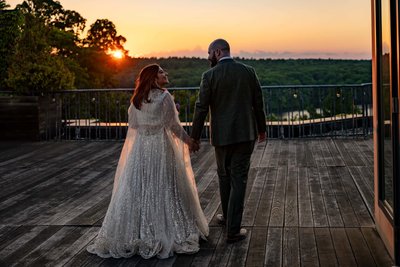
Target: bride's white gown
pixel 154 209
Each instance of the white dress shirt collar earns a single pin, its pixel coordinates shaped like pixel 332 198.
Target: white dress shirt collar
pixel 223 58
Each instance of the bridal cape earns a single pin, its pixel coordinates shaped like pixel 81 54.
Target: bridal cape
pixel 154 208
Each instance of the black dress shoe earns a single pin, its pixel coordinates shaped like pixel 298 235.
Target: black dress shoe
pixel 232 238
pixel 221 220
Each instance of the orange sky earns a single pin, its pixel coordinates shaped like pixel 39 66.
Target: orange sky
pixel 254 28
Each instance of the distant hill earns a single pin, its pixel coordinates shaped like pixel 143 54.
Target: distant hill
pixel 187 71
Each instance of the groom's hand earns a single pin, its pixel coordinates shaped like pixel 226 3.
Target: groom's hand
pixel 194 145
pixel 262 137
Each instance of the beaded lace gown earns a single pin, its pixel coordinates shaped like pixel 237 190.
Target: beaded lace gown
pixel 154 208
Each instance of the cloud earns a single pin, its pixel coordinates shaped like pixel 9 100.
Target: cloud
pixel 260 54
pixel 195 52
pixel 303 54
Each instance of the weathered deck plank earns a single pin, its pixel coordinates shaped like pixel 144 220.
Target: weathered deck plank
pixel 318 198
pixel 278 203
pixel 256 254
pixel 291 248
pixel 308 247
pixel 304 198
pixel 265 205
pixel 326 251
pixel 342 247
pixel 273 255
pixel 359 246
pixel 308 203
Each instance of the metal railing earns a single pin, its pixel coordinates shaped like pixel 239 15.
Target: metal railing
pixel 318 110
pixel 293 111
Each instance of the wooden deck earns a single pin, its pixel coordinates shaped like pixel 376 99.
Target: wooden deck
pixel 308 203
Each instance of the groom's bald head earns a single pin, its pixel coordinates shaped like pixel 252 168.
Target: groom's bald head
pixel 218 49
pixel 220 44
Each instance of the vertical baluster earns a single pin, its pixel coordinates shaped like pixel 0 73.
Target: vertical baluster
pixel 342 111
pixel 117 118
pixel 321 110
pixel 68 116
pixel 187 111
pixel 106 113
pixel 266 110
pixel 353 107
pixel 369 108
pixel 363 112
pixel 89 124
pixel 283 126
pixel 96 104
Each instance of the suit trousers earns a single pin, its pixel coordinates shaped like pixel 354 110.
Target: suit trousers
pixel 233 163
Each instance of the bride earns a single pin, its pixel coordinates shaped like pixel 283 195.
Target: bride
pixel 154 208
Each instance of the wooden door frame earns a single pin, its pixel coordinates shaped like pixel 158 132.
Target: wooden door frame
pixel 387 223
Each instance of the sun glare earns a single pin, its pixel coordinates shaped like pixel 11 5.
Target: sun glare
pixel 117 54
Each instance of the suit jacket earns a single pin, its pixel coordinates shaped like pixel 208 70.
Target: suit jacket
pixel 232 93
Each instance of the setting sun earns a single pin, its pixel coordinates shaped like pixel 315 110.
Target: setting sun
pixel 118 54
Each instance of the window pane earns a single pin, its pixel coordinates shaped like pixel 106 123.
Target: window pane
pixel 386 97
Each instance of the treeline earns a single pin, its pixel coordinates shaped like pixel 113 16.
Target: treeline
pixel 187 71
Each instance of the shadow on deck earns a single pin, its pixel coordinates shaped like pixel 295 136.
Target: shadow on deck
pixel 308 203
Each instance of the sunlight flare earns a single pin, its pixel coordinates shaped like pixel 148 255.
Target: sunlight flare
pixel 117 54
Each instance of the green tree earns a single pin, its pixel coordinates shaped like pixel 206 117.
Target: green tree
pixel 102 35
pixel 33 68
pixel 44 51
pixel 11 22
pixel 3 4
pixel 67 25
pixel 101 68
pixel 56 32
pixel 53 14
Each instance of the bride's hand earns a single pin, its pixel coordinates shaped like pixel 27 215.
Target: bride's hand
pixel 194 145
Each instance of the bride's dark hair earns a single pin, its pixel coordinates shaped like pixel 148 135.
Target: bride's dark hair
pixel 144 83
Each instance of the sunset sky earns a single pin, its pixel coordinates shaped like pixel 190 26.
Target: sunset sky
pixel 254 28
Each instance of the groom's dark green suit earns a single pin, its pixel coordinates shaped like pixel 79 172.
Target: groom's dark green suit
pixel 232 93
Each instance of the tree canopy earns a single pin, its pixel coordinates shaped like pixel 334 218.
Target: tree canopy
pixel 3 4
pixel 103 36
pixel 45 49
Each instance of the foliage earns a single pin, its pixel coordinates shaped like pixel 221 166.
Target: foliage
pixel 3 4
pixel 42 50
pixel 47 36
pixel 187 71
pixel 311 71
pixel 10 21
pixel 53 14
pixel 100 69
pixel 33 68
pixel 102 35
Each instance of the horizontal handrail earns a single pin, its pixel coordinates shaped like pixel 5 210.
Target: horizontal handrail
pixel 292 111
pixel 197 88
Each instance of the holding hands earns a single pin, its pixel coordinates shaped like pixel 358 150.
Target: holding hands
pixel 194 145
pixel 262 137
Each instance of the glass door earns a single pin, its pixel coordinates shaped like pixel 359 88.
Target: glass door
pixel 386 150
pixel 386 123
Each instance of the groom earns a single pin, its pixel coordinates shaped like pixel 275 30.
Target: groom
pixel 232 93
